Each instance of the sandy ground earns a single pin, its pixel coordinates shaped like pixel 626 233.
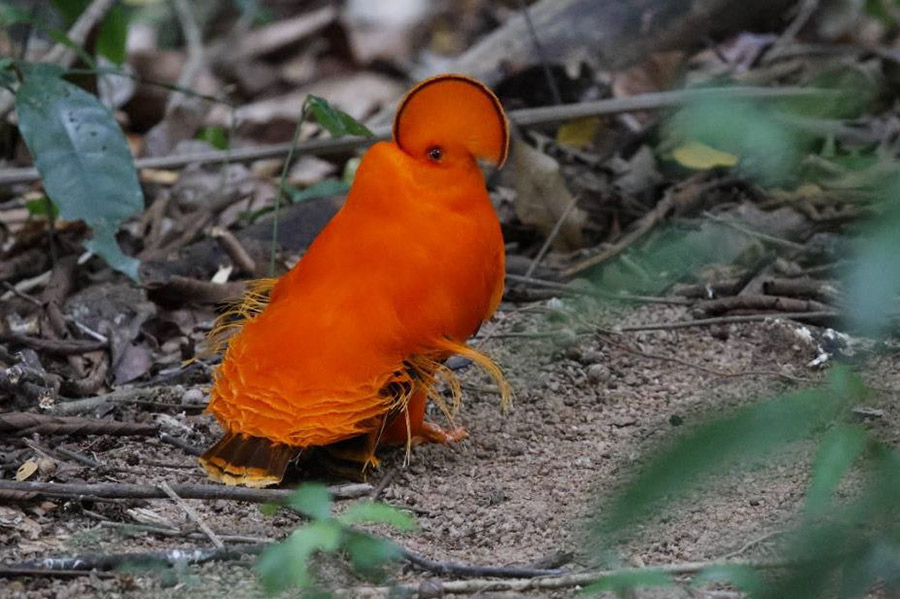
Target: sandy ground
pixel 519 490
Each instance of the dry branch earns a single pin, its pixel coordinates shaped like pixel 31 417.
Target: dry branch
pixel 705 322
pixel 522 117
pixel 185 491
pixel 24 424
pixel 61 347
pixel 767 303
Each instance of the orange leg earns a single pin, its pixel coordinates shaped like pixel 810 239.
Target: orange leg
pixel 420 431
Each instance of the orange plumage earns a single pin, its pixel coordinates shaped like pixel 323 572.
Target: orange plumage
pixel 353 338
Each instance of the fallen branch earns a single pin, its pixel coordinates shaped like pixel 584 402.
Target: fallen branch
pixel 105 563
pixel 680 199
pixel 564 581
pixel 81 406
pixel 705 322
pixel 522 117
pixel 766 303
pixel 25 424
pixel 456 569
pixel 185 491
pixel 820 290
pixel 60 347
pixel 192 514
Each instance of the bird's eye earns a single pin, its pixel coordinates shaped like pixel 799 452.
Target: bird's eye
pixel 435 154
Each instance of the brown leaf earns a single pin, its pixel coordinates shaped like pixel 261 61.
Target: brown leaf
pixel 542 197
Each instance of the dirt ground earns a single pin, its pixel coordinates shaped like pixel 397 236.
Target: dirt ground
pixel 518 491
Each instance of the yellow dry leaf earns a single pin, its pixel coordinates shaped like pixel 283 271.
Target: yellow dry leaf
pixel 26 470
pixel 578 133
pixel 698 156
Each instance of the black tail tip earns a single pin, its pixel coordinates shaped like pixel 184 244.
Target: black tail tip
pixel 240 459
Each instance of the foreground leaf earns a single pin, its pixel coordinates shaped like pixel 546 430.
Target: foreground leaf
pixel 285 565
pixel 82 157
pixel 749 433
pixel 312 499
pixel 839 449
pixel 628 581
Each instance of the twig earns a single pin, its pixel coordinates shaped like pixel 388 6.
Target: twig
pixel 705 322
pixel 194 42
pixel 752 543
pixel 545 65
pixel 706 369
pixel 235 250
pixel 127 527
pixel 766 303
pixel 180 444
pixel 81 406
pixel 597 293
pixel 482 585
pixel 14 572
pixel 186 491
pixel 455 569
pixel 751 233
pixel 192 514
pixel 279 193
pixel 24 424
pixel 62 347
pixel 643 226
pixel 383 483
pixel 552 236
pixel 171 557
pixel 522 117
pixel 804 12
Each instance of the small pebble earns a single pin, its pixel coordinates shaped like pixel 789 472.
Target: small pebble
pixel 597 373
pixel 193 396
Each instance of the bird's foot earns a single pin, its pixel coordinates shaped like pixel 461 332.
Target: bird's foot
pixel 432 433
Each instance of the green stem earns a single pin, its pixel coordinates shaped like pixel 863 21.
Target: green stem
pixel 280 191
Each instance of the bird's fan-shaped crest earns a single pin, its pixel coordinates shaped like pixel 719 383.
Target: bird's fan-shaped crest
pixel 454 110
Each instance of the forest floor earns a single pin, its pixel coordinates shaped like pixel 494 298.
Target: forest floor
pixel 520 490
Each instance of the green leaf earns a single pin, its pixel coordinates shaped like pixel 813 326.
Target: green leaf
pixel 312 499
pixel 285 565
pixel 874 280
pixel 368 553
pixel 748 433
pixel 839 449
pixel 42 207
pixel 113 32
pixel 83 159
pixel 322 189
pixel 337 122
pixel 217 137
pixel 370 512
pixel 628 581
pixel 111 41
pixel 7 76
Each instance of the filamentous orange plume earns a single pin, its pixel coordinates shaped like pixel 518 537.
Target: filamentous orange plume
pixel 351 342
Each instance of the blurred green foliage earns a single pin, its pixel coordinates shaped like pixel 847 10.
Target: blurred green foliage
pixel 287 564
pixel 840 546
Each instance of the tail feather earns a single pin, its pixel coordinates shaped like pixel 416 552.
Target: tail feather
pixel 239 459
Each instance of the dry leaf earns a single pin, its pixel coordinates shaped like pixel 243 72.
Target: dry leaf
pixel 578 133
pixel 698 156
pixel 26 470
pixel 542 197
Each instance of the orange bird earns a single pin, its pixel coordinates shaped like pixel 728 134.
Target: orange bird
pixel 351 342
